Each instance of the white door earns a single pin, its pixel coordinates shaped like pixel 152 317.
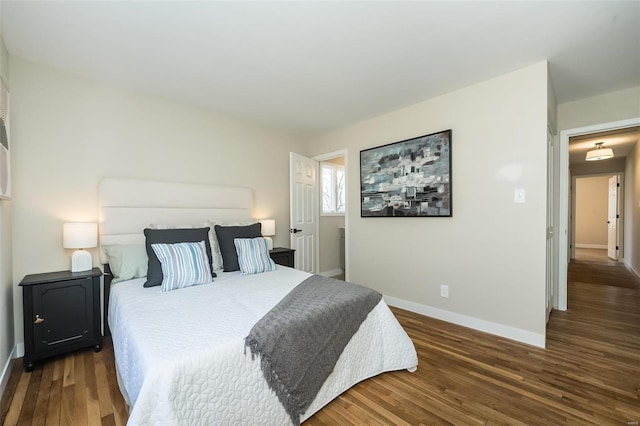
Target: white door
pixel 612 219
pixel 551 256
pixel 303 211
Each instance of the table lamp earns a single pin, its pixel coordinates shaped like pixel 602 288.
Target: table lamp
pixel 80 236
pixel 268 227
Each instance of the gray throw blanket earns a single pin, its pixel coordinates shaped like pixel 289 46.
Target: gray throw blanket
pixel 300 340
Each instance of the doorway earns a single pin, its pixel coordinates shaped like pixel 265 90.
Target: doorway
pixel 564 209
pixel 332 212
pixel 598 215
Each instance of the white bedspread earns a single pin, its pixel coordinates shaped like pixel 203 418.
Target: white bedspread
pixel 181 360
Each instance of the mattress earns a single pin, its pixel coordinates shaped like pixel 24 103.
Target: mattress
pixel 181 360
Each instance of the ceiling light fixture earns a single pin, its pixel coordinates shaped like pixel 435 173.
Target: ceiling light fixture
pixel 599 152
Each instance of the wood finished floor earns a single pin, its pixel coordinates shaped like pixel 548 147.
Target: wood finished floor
pixel 593 255
pixel 589 374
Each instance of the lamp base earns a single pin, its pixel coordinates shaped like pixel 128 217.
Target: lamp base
pixel 81 261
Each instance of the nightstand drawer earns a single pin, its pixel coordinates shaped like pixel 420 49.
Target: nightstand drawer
pixel 283 256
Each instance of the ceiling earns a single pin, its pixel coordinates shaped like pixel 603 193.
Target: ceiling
pixel 621 141
pixel 309 67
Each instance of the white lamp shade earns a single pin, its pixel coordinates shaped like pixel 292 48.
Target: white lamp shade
pixel 79 235
pixel 599 154
pixel 268 227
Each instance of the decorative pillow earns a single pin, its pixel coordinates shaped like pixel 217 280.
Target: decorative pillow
pixel 183 264
pixel 126 261
pixel 171 236
pixel 215 247
pixel 213 243
pixel 253 256
pixel 226 235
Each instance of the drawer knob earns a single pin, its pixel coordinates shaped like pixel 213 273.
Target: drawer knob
pixel 38 320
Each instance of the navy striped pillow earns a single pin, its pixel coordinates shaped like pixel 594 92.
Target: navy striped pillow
pixel 253 256
pixel 183 264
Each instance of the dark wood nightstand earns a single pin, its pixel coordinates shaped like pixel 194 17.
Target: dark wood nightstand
pixel 282 256
pixel 61 313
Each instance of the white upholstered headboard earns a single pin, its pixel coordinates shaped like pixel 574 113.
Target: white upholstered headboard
pixel 127 206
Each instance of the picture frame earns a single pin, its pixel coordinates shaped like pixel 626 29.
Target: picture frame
pixel 409 178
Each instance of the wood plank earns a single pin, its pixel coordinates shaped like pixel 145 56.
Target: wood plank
pixel 68 376
pixel 93 404
pixel 104 394
pixel 119 407
pixel 55 398
pixel 58 368
pixel 42 401
pixel 18 399
pixel 67 406
pixel 9 391
pixel 30 398
pixel 79 391
pixel 108 420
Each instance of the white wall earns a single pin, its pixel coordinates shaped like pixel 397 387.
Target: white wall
pixel 69 132
pixel 491 253
pixel 632 211
pixel 330 243
pixel 605 108
pixel 552 105
pixel 7 341
pixel 592 198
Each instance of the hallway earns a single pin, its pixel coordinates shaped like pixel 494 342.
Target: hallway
pixel 592 266
pixel 601 329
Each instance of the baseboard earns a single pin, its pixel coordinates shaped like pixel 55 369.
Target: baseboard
pixel 332 273
pixel 19 350
pixel 593 246
pixel 501 330
pixel 630 268
pixel 6 371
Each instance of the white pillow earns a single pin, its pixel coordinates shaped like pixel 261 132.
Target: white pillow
pixel 253 256
pixel 183 264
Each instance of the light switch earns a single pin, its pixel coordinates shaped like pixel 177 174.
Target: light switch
pixel 518 196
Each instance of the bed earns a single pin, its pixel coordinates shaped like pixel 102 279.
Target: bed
pixel 181 356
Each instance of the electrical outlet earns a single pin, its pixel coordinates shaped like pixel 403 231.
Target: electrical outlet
pixel 444 290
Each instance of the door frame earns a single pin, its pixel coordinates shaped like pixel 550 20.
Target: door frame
pixel 572 223
pixel 324 157
pixel 563 207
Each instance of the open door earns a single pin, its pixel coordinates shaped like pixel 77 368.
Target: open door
pixel 551 255
pixel 303 211
pixel 612 219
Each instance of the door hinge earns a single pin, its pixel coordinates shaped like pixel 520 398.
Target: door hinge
pixel 617 216
pixel 618 185
pixel 617 248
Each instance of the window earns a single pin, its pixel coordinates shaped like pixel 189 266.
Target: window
pixel 333 190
